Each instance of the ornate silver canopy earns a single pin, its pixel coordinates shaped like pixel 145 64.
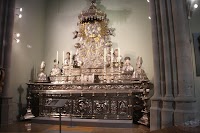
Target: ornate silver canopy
pixel 94 35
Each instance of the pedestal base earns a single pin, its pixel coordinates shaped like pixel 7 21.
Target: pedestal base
pixel 28 114
pixel 84 122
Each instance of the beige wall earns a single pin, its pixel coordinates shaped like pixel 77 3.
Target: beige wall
pixel 47 26
pixel 129 17
pixel 31 28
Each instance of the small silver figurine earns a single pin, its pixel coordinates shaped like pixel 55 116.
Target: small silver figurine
pixel 42 76
pixel 55 71
pixel 127 67
pixel 139 73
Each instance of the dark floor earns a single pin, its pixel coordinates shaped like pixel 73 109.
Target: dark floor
pixel 28 127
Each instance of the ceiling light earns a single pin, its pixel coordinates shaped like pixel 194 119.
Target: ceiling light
pixel 28 46
pixel 17 40
pixel 196 6
pixel 17 34
pixel 19 15
pixel 20 9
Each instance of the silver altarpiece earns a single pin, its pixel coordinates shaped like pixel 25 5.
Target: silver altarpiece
pixel 97 81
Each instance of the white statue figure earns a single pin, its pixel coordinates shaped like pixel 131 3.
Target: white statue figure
pixel 42 66
pixel 67 64
pixel 116 57
pixel 139 73
pixel 87 78
pixel 55 71
pixel 75 58
pixel 127 67
pixel 42 77
pixel 67 59
pixel 76 62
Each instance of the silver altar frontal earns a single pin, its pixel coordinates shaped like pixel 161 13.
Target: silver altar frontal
pixel 95 101
pixel 97 81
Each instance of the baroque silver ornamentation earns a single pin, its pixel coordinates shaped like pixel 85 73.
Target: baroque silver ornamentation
pixel 96 85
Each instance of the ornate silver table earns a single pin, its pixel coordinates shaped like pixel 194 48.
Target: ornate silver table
pixel 93 101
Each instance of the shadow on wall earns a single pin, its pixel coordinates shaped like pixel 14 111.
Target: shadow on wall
pixel 196 42
pixel 21 107
pixel 32 75
pixel 151 92
pixel 117 16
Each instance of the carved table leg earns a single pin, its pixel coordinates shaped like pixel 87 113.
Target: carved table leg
pixel 145 118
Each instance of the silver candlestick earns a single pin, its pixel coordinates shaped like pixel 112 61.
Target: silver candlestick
pixel 28 114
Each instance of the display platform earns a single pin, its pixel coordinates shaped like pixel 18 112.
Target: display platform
pixel 109 101
pixel 67 121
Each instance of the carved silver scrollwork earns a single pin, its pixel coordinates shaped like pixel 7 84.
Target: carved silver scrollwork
pixel 82 106
pixel 104 101
pixel 101 106
pixel 123 107
pixel 68 107
pixel 113 107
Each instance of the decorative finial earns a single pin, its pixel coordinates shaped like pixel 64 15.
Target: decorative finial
pixel 93 2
